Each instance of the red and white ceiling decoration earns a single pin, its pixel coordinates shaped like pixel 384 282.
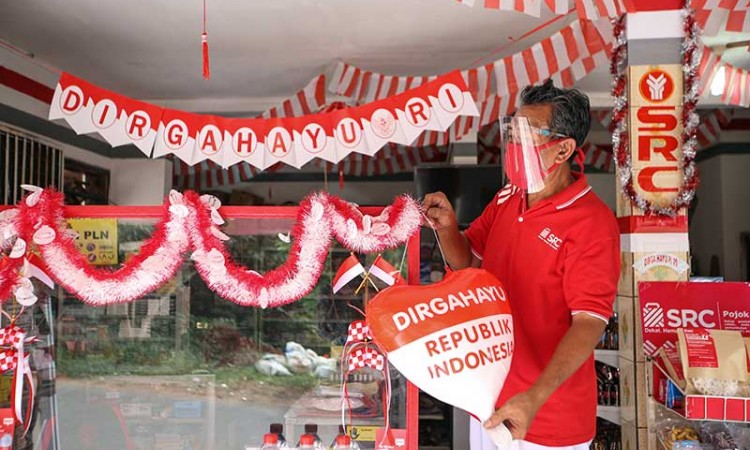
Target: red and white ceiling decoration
pixel 262 143
pixel 736 82
pixel 715 16
pixel 587 9
pixel 566 56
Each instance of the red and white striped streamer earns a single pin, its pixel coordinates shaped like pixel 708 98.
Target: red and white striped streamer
pixel 569 51
pixel 208 175
pixel 307 101
pixel 587 9
pixel 737 87
pixel 715 16
pixel 392 159
pixel 361 86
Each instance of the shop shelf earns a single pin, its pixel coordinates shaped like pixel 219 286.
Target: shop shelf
pixel 609 357
pixel 610 413
pixel 698 407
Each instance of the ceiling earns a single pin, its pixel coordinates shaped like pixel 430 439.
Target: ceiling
pixel 262 51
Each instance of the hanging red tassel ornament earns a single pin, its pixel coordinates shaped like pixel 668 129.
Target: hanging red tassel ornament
pixel 206 67
pixel 341 177
pixel 204 46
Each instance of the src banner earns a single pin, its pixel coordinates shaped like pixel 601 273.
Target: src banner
pixel 194 138
pixel 667 306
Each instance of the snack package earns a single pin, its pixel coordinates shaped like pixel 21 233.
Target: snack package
pixel 745 387
pixel 713 361
pixel 669 359
pixel 676 435
pixel 718 435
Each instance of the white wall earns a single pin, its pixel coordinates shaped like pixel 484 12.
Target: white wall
pixel 139 181
pixel 722 214
pixel 735 218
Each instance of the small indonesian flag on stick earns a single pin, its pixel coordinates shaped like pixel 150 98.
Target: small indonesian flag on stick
pixel 385 272
pixel 350 269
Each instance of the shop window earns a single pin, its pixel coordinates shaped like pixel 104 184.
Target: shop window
pixel 85 184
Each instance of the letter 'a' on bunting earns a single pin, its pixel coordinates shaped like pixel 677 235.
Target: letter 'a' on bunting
pixel 452 339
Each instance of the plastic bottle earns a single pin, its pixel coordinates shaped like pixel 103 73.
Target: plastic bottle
pixel 352 443
pixel 312 430
pixel 270 441
pixel 306 441
pixel 343 442
pixel 278 430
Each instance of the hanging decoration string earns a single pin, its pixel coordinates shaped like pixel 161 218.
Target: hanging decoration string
pixel 204 45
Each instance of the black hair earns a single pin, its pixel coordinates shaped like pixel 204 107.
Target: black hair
pixel 571 110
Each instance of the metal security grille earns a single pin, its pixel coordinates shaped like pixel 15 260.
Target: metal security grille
pixel 27 159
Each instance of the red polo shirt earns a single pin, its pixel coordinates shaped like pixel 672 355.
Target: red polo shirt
pixel 559 258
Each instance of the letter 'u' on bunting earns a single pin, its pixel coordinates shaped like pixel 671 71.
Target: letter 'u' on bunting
pixel 295 141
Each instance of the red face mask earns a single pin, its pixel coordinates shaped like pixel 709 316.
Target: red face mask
pixel 524 174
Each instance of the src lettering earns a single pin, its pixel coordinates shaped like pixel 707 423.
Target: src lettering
pixel 688 318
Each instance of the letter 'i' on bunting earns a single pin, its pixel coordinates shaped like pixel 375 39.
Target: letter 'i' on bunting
pixel 350 269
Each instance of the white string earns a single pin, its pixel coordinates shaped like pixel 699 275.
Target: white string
pixel 403 259
pixel 437 239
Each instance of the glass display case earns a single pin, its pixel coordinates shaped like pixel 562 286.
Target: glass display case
pixel 184 369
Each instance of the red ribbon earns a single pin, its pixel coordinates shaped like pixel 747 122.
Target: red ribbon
pixel 13 357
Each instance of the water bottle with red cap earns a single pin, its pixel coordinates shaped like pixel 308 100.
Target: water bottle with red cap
pixel 353 445
pixel 270 441
pixel 306 441
pixel 312 430
pixel 343 442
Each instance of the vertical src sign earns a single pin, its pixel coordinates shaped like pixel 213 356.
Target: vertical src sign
pixel 655 131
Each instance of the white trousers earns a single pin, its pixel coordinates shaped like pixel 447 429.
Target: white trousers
pixel 480 440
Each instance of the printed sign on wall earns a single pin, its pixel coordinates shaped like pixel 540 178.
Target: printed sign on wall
pixel 97 239
pixel 655 128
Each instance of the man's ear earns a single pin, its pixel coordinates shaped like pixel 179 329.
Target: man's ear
pixel 567 147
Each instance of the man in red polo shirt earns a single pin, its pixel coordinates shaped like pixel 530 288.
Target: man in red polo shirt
pixel 555 246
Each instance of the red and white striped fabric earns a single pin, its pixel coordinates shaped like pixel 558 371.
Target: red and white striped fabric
pixel 587 9
pixel 715 16
pixel 568 52
pixel 385 272
pixel 596 9
pixel 392 159
pixel 362 86
pixel 599 156
pixel 530 7
pixel 208 175
pixel 737 90
pixel 710 127
pixel 306 101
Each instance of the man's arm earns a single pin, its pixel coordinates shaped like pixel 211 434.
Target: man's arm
pixel 573 350
pixel 455 245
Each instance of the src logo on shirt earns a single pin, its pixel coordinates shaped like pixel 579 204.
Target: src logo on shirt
pixel 549 238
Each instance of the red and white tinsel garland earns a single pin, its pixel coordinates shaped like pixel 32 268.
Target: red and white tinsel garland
pixel 691 55
pixel 191 222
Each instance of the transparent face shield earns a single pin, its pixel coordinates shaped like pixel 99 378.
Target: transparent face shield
pixel 521 148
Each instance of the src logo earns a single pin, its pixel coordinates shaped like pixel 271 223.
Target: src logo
pixel 654 316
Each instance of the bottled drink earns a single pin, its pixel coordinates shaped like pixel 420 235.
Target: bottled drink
pixel 306 441
pixel 278 430
pixel 270 441
pixel 312 430
pixel 352 443
pixel 343 442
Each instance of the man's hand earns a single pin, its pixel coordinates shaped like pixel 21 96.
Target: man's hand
pixel 439 210
pixel 517 414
